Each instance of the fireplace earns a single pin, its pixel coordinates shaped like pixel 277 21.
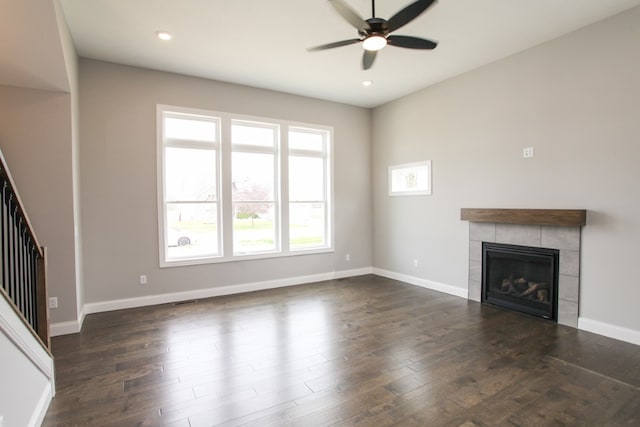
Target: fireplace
pixel 521 278
pixel 560 229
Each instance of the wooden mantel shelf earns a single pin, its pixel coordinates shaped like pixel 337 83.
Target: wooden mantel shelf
pixel 566 217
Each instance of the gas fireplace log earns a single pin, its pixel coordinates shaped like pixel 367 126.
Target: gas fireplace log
pixel 507 283
pixel 533 287
pixel 513 285
pixel 519 285
pixel 542 295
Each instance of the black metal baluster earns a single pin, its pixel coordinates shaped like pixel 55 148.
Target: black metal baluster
pixel 16 258
pixel 27 280
pixel 34 284
pixel 20 282
pixel 11 266
pixel 3 234
pixel 23 272
pixel 21 260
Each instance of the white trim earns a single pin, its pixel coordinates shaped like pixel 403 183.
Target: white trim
pixel 351 273
pixel 608 330
pixel 41 408
pixel 396 175
pixel 225 149
pixel 597 327
pixel 11 325
pixel 70 327
pixel 120 304
pixel 423 283
pixel 65 328
pixel 81 315
pixel 248 257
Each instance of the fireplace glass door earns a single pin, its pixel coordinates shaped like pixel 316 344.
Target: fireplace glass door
pixel 521 278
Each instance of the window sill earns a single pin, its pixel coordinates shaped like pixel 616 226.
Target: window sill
pixel 247 257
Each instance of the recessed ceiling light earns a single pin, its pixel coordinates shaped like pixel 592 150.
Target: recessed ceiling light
pixel 163 35
pixel 367 83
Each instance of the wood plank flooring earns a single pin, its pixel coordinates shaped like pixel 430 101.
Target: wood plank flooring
pixel 363 351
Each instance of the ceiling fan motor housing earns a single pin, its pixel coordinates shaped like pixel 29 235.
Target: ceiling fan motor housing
pixel 377 26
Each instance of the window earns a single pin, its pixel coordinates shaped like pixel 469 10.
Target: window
pixel 308 206
pixel 253 187
pixel 190 209
pixel 232 187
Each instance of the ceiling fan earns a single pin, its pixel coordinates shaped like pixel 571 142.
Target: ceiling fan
pixel 375 33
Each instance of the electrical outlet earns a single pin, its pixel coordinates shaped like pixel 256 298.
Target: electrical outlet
pixel 527 152
pixel 53 302
pixel 347 257
pixel 415 262
pixel 143 279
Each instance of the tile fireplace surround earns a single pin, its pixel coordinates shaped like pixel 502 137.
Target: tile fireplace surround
pixel 543 228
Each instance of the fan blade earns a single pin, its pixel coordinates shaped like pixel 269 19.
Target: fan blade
pixel 350 15
pixel 408 14
pixel 334 44
pixel 367 58
pixel 411 42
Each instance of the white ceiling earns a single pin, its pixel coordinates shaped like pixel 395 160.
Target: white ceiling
pixel 263 43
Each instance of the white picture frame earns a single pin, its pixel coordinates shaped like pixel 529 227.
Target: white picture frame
pixel 410 179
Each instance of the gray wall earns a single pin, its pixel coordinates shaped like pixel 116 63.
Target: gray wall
pixel 35 137
pixel 118 186
pixel 577 101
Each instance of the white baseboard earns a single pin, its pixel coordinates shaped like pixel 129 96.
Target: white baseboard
pixel 65 328
pixel 352 273
pixel 40 411
pixel 608 330
pixel 119 304
pixel 72 327
pixel 423 283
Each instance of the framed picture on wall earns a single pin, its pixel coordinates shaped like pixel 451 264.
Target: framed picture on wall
pixel 410 179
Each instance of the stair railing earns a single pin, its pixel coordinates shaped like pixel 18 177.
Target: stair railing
pixel 22 261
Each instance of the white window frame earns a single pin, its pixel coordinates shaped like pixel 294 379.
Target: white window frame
pixel 189 113
pixel 223 181
pixel 258 149
pixel 325 155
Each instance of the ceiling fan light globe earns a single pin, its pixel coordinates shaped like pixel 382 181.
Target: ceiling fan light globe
pixel 373 43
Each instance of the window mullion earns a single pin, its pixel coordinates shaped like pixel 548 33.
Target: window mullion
pixel 244 148
pixel 284 188
pixel 277 180
pixel 329 191
pixel 186 143
pixel 225 190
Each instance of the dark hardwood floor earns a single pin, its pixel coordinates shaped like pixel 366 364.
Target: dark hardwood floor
pixel 361 351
